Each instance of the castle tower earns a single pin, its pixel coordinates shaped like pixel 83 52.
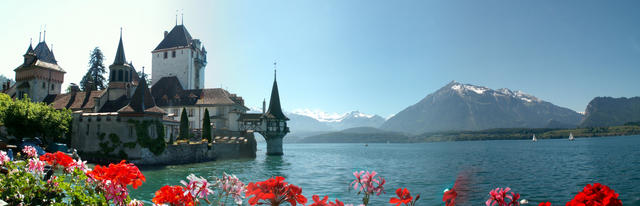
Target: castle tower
pixel 121 75
pixel 39 75
pixel 276 122
pixel 181 56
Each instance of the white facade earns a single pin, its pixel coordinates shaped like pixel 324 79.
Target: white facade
pixel 183 62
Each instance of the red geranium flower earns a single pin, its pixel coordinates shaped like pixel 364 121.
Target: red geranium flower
pixel 274 191
pixel 404 197
pixel 595 195
pixel 318 202
pixel 544 204
pixel 173 195
pixel 122 173
pixel 57 158
pixel 449 197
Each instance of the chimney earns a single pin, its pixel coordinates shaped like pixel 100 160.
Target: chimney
pixel 166 33
pixel 264 105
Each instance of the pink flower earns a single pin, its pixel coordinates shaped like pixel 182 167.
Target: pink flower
pixel 197 186
pixel 135 202
pixel 30 151
pixel 82 165
pixel 231 185
pixel 115 192
pixel 4 157
pixel 499 196
pixel 366 180
pixel 35 166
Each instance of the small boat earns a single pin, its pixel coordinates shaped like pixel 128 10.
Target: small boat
pixel 571 138
pixel 534 138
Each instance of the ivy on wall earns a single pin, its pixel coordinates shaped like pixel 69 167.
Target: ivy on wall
pixel 157 145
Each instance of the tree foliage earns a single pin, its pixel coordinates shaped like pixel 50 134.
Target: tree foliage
pixel 184 125
pixel 145 76
pixel 206 126
pixel 24 118
pixel 94 79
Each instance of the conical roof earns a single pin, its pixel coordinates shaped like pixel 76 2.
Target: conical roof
pixel 30 49
pixel 43 53
pixel 275 111
pixel 120 58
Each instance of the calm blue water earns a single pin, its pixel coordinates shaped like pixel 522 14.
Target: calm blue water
pixel 548 170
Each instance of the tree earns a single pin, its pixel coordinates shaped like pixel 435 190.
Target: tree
pixel 206 126
pixel 94 79
pixel 184 125
pixel 145 76
pixel 24 118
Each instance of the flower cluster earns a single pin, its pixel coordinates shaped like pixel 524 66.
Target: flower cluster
pixel 449 197
pixel 369 184
pixel 30 151
pixel 173 195
pixel 231 185
pixel 324 201
pixel 197 186
pixel 115 178
pixel 275 191
pixel 501 197
pixel 57 158
pixel 35 166
pixel 595 195
pixel 404 197
pixel 4 157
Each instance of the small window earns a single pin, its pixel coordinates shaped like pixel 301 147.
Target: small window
pixel 43 85
pixel 165 55
pixel 52 86
pixel 191 112
pixel 130 131
pixel 87 129
pixel 173 54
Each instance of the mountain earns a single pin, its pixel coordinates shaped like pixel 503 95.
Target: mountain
pixel 314 121
pixel 608 111
pixel 457 107
pixel 358 135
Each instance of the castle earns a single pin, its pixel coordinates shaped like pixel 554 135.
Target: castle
pixel 133 121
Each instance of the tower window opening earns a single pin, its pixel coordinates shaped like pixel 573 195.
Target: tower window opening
pixel 173 54
pixel 120 75
pixel 165 55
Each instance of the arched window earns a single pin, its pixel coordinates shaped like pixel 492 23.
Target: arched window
pixel 120 75
pixel 112 76
pixel 126 76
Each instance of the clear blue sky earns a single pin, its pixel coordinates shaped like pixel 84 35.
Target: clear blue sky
pixel 373 56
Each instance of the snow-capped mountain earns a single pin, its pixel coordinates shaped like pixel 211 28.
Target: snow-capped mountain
pixel 316 120
pixel 458 106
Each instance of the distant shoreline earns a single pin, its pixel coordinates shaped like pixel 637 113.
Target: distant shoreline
pixel 381 136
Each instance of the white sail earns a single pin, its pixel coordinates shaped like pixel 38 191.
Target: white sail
pixel 534 138
pixel 571 136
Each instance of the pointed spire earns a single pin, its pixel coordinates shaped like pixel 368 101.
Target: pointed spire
pixel 275 109
pixel 176 17
pixel 30 49
pixel 182 14
pixel 120 58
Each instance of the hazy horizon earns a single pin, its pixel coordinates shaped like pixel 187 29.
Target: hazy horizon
pixel 371 56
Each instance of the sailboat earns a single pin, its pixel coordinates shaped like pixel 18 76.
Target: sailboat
pixel 534 138
pixel 571 138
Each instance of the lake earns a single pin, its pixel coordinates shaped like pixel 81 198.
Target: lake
pixel 547 170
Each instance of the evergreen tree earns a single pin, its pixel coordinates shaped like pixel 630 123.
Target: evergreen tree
pixel 184 125
pixel 94 79
pixel 206 126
